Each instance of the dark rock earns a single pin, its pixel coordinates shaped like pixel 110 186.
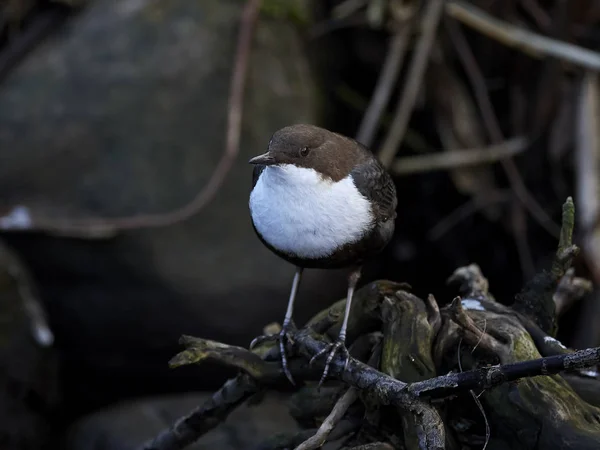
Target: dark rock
pixel 123 114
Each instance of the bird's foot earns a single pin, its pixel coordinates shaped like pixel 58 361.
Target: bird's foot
pixel 282 337
pixel 337 346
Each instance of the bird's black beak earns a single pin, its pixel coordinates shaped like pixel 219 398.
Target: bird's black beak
pixel 265 159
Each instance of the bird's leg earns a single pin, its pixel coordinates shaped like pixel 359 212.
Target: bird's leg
pixel 340 343
pixel 283 335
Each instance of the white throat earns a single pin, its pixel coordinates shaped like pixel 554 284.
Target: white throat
pixel 296 211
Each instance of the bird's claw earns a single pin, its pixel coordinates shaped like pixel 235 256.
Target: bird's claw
pixel 282 337
pixel 258 340
pixel 333 348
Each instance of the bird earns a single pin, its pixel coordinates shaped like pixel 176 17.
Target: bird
pixel 320 200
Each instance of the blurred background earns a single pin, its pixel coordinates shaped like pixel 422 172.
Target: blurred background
pixel 125 131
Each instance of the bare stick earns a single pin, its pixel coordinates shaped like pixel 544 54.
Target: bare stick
pixel 190 428
pixel 465 210
pixel 382 388
pixel 338 411
pixel 528 42
pixel 494 130
pixel 475 398
pixel 587 165
pixel 389 391
pixel 410 92
pixel 459 158
pixel 569 290
pixel 385 84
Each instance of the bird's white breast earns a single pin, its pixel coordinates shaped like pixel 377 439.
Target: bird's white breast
pixel 296 211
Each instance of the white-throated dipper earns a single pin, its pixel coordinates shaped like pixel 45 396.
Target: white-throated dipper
pixel 320 200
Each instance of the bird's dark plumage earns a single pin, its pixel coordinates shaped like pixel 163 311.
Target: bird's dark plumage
pixel 337 156
pixel 326 202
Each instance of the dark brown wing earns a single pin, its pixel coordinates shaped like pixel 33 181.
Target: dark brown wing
pixel 373 181
pixel 256 171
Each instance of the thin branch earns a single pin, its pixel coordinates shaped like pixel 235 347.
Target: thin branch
pixel 473 333
pixel 433 314
pixel 100 228
pixel 489 377
pixel 541 17
pixel 587 161
pixel 459 158
pixel 493 127
pixel 338 411
pixel 587 167
pixel 29 296
pixel 528 42
pixel 385 84
pixel 466 210
pixel 518 222
pixel 382 388
pixel 488 432
pixel 570 289
pixel 475 398
pixel 389 391
pixel 286 441
pixel 415 77
pixel 190 428
pixel 535 300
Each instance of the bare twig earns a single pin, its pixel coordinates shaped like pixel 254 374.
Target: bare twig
pixel 410 92
pixel 40 26
pixel 488 432
pixel 465 210
pixel 207 416
pixel 535 300
pixel 475 398
pixel 340 408
pixel 524 40
pixel 491 376
pixel 459 158
pixel 31 303
pixel 541 17
pixel 286 441
pixel 518 221
pixel 380 387
pixel 587 167
pixel 473 333
pixel 388 391
pixel 587 163
pixel 198 350
pixel 385 84
pixel 99 227
pixel 433 314
pixel 570 289
pixel 493 127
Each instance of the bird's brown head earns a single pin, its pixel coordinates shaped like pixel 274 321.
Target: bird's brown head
pixel 330 154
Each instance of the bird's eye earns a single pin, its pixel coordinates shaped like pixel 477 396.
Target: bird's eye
pixel 304 151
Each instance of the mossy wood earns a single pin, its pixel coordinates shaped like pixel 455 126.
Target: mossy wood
pixel 427 378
